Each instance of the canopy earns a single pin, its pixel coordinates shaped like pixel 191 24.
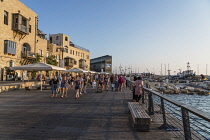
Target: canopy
pixel 37 67
pixel 103 73
pixel 76 70
pixel 92 72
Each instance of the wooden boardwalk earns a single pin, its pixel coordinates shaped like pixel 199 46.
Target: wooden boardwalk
pixel 34 115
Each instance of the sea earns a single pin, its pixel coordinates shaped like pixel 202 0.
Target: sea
pixel 201 102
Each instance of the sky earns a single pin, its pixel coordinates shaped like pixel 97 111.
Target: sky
pixel 139 34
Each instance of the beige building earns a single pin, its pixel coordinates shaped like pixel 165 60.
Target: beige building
pixel 20 40
pixel 70 55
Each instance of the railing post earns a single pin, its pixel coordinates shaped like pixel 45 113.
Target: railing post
pixel 186 124
pixel 143 95
pixel 163 111
pixel 151 105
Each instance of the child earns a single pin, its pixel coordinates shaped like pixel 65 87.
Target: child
pixel 99 88
pixel 94 85
pixel 112 86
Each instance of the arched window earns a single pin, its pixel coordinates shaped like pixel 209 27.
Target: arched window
pixel 66 38
pixel 26 47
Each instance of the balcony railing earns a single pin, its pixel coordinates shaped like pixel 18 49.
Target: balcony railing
pixel 20 28
pixel 69 64
pixel 28 54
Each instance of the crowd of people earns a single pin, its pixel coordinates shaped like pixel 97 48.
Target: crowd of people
pixel 97 82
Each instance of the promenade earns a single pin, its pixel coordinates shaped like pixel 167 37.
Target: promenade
pixel 34 115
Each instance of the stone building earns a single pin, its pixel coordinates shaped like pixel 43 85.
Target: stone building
pixel 20 38
pixel 69 54
pixel 101 64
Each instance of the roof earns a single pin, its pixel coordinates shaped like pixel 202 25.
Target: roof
pixel 100 59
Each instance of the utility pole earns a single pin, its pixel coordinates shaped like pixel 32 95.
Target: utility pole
pixel 120 69
pixel 165 69
pixel 206 69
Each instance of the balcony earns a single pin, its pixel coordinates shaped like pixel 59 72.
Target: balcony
pixel 20 28
pixel 20 24
pixel 28 54
pixel 69 64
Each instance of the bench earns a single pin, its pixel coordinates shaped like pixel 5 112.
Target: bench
pixel 140 117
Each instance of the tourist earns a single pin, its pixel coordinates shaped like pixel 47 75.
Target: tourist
pixel 113 86
pixel 116 83
pixel 120 81
pixel 64 87
pixel 134 96
pixel 111 78
pixel 106 82
pixel 85 82
pixel 77 87
pixel 59 84
pixel 94 85
pixel 138 84
pixel 54 82
pixel 81 84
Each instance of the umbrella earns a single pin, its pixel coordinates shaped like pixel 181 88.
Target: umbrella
pixel 37 67
pixel 76 70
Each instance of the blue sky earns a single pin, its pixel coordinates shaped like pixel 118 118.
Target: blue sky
pixel 141 34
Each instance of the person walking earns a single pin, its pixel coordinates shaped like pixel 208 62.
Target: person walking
pixel 116 83
pixel 120 81
pixel 59 83
pixel 77 87
pixel 64 86
pixel 54 83
pixel 138 88
pixel 134 96
pixel 106 82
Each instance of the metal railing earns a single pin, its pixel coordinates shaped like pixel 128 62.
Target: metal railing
pixel 184 121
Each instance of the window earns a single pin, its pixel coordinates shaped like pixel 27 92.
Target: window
pixel 12 63
pixel 66 38
pixel 29 28
pixel 73 52
pixel 57 37
pixel 47 54
pixel 6 16
pixel 66 49
pixel 50 39
pixel 70 51
pixel 10 47
pixel 87 56
pixel 40 52
pixel 78 53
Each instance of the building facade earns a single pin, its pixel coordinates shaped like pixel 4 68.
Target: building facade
pixel 101 64
pixel 20 38
pixel 70 55
pixel 23 43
